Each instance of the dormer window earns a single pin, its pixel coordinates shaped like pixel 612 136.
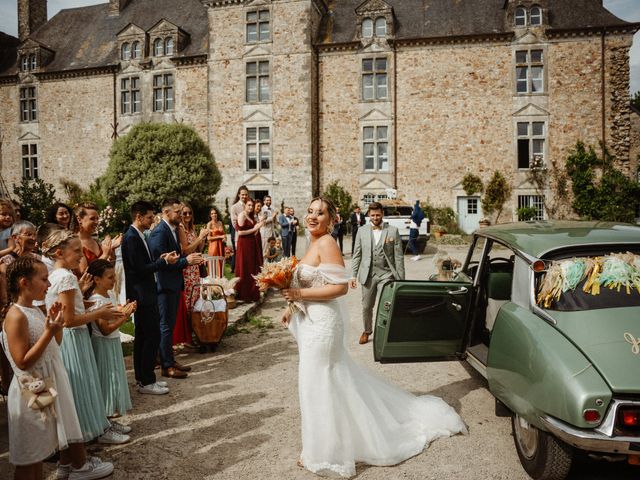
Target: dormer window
pixel 536 16
pixel 158 47
pixel 125 53
pixel 24 64
pixel 521 17
pixel 367 28
pixel 168 46
pixel 33 62
pixel 381 27
pixel 136 50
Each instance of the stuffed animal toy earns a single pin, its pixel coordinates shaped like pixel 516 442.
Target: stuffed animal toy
pixel 40 395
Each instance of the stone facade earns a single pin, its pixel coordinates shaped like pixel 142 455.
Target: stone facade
pixel 375 95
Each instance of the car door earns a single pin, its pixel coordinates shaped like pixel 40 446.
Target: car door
pixel 421 320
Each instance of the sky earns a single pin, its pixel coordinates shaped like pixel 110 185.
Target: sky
pixel 626 9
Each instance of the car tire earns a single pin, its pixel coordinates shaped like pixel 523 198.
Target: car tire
pixel 543 456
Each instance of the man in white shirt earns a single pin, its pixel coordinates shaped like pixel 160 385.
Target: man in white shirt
pixel 377 259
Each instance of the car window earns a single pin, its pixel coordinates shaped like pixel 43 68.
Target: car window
pixel 590 282
pixel 397 211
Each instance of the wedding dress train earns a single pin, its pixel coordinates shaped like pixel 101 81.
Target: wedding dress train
pixel 349 414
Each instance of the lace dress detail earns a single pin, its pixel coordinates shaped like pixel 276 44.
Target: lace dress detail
pixel 348 413
pixel 25 424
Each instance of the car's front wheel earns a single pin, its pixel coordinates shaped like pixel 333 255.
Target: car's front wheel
pixel 543 456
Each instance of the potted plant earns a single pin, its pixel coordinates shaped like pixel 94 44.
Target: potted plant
pixel 484 222
pixel 438 231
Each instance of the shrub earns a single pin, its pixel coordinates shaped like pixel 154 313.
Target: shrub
pixel 496 194
pixel 155 161
pixel 35 196
pixel 340 197
pixel 472 184
pixel 526 213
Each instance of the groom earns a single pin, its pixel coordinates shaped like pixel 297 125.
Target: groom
pixel 377 259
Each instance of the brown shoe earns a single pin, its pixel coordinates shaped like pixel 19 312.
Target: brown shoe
pixel 172 372
pixel 364 338
pixel 182 368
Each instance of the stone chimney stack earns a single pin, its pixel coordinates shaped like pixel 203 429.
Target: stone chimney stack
pixel 116 6
pixel 32 14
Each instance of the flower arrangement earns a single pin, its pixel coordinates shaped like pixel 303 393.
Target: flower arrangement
pixel 108 220
pixel 614 271
pixel 278 275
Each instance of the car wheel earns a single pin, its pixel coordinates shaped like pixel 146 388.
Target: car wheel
pixel 543 456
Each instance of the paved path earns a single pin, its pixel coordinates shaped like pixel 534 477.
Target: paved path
pixel 236 417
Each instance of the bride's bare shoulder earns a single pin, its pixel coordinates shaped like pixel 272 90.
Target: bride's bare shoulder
pixel 329 250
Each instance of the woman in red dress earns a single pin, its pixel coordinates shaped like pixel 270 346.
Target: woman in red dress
pixel 189 243
pixel 87 220
pixel 247 259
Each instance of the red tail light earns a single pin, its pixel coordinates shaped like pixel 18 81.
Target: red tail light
pixel 631 418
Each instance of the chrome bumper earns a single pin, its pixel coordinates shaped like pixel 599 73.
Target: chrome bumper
pixel 599 439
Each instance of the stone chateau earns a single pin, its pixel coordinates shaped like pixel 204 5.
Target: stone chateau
pixel 292 95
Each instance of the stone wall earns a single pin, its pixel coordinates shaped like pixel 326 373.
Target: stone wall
pixel 634 143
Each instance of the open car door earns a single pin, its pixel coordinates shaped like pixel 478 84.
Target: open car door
pixel 421 321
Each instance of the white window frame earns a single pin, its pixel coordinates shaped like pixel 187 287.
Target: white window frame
pixel 29 160
pixel 537 15
pixel 521 17
pixel 260 77
pixel 259 145
pixel 537 142
pixel 130 96
pixel 260 20
pixel 125 51
pixel 372 147
pixel 158 47
pixel 163 92
pixel 367 28
pixel 28 104
pixel 33 62
pixel 533 68
pixel 136 50
pixel 371 79
pixel 536 201
pixel 169 46
pixel 380 27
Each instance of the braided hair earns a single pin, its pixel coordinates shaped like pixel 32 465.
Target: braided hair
pixel 22 267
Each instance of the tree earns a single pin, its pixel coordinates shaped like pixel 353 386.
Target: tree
pixel 339 196
pixel 635 99
pixel 496 194
pixel 614 197
pixel 35 196
pixel 155 161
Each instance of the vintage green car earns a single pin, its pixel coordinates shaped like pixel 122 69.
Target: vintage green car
pixel 549 314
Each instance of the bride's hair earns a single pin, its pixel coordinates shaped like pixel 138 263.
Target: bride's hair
pixel 331 210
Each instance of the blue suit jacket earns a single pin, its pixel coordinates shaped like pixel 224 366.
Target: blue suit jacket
pixel 285 226
pixel 139 269
pixel 162 241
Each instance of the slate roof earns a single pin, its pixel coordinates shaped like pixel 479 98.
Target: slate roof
pixel 85 37
pixel 443 18
pixel 8 49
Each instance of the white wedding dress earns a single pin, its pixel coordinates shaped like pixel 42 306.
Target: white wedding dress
pixel 349 414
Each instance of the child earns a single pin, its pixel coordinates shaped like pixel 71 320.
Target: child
pixel 271 253
pixel 77 353
pixel 35 434
pixel 279 249
pixel 105 338
pixel 7 217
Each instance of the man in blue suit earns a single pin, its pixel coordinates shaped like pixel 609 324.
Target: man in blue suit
pixel 164 240
pixel 140 269
pixel 286 231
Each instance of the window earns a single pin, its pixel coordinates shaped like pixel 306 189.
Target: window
pixel 521 17
pixel 130 95
pixel 257 28
pixel 257 82
pixel 168 46
pixel 374 78
pixel 24 64
pixel 125 51
pixel 258 149
pixel 136 50
pixel 529 71
pixel 381 27
pixel 28 104
pixel 535 201
pixel 367 28
pixel 375 144
pixel 163 92
pixel 536 16
pixel 368 198
pixel 472 206
pixel 531 137
pixel 30 161
pixel 158 47
pixel 33 62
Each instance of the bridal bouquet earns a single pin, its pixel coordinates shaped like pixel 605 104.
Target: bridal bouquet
pixel 278 275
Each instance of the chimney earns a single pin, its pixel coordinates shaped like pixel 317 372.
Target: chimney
pixel 32 14
pixel 116 6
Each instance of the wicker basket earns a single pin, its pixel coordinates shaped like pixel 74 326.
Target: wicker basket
pixel 209 326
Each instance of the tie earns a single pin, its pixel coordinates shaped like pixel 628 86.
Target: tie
pixel 373 227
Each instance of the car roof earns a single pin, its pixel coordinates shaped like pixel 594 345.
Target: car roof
pixel 538 238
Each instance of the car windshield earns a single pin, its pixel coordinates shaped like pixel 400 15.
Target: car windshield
pixel 590 282
pixel 397 211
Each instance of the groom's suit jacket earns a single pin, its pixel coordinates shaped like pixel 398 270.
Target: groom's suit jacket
pixel 391 249
pixel 161 241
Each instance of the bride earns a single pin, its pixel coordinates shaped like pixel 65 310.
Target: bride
pixel 348 414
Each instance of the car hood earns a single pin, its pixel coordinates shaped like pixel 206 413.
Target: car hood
pixel 610 338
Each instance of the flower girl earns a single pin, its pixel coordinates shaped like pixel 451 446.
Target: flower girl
pixel 105 338
pixel 42 414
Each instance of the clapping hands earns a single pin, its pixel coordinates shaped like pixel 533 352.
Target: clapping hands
pixel 55 318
